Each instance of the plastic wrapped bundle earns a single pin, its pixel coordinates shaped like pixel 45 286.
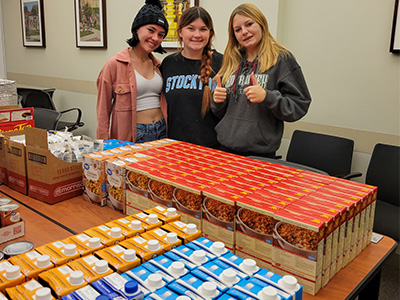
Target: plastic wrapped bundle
pixel 8 92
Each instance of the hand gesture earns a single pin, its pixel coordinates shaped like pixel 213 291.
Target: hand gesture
pixel 254 92
pixel 219 92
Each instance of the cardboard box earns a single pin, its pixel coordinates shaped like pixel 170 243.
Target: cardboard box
pixel 15 118
pixel 12 232
pixel 3 161
pixel 16 160
pixel 50 179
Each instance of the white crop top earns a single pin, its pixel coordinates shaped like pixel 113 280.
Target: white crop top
pixel 148 91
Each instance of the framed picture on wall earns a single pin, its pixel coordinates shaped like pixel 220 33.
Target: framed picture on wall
pixel 32 20
pixel 90 24
pixel 173 9
pixel 395 38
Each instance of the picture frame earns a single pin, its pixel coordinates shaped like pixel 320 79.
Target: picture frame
pixel 395 37
pixel 32 22
pixel 90 24
pixel 172 10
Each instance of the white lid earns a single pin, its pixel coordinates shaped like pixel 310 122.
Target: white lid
pixel 13 272
pixel 136 225
pixel 172 237
pixel 94 242
pixel 177 268
pixel 101 266
pixel 43 293
pixel 152 218
pixel 154 281
pixel 208 289
pixel 199 256
pixel 43 261
pixel 218 248
pixel 289 282
pixel 129 255
pixel 191 228
pixel 229 276
pixel 249 265
pixel 269 293
pixel 115 232
pixel 171 212
pixel 153 245
pixel 76 278
pixel 69 249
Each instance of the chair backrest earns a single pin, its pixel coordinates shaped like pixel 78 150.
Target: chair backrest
pixel 328 153
pixel 383 172
pixel 37 98
pixel 46 118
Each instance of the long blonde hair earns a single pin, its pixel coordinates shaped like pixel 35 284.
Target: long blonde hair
pixel 269 49
pixel 189 16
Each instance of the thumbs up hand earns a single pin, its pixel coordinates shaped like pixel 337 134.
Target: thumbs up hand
pixel 254 92
pixel 219 92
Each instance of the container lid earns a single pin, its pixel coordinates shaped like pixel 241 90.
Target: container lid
pixel 1 255
pixel 17 248
pixel 4 201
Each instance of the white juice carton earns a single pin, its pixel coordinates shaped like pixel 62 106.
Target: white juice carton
pixel 257 290
pixel 215 248
pixel 247 266
pixel 195 288
pixel 196 257
pixel 151 281
pixel 116 285
pixel 168 274
pixel 163 294
pixel 85 293
pixel 175 257
pixel 286 283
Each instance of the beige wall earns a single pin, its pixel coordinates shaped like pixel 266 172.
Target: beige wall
pixel 341 45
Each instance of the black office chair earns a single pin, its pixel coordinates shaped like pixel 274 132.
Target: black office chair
pixel 383 172
pixel 42 99
pixel 328 153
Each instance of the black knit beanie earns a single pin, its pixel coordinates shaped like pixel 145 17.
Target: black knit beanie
pixel 150 13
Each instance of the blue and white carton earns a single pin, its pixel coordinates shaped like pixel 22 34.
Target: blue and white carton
pixel 174 257
pixel 196 257
pixel 285 283
pixel 144 277
pixel 84 293
pixel 247 266
pixel 168 269
pixel 215 248
pixel 163 294
pixel 195 288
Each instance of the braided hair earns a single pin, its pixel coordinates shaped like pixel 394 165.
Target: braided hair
pixel 189 16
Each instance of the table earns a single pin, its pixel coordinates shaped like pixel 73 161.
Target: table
pixel 46 223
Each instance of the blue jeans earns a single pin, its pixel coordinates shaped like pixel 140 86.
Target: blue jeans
pixel 151 132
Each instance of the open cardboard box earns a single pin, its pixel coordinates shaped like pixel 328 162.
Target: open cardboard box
pixel 15 161
pixel 50 179
pixel 12 232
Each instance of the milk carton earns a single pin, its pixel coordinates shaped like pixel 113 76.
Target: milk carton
pixel 85 244
pixel 186 232
pixel 108 235
pixel 145 249
pixel 32 263
pixel 29 290
pixel 175 257
pixel 197 257
pixel 286 283
pixel 130 227
pixel 166 215
pixel 62 280
pixel 195 288
pixel 216 248
pixel 151 281
pixel 10 275
pixel 85 293
pixel 163 294
pixel 162 264
pixel 59 252
pixel 168 240
pixel 116 285
pixel 247 266
pixel 119 258
pixel 91 267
